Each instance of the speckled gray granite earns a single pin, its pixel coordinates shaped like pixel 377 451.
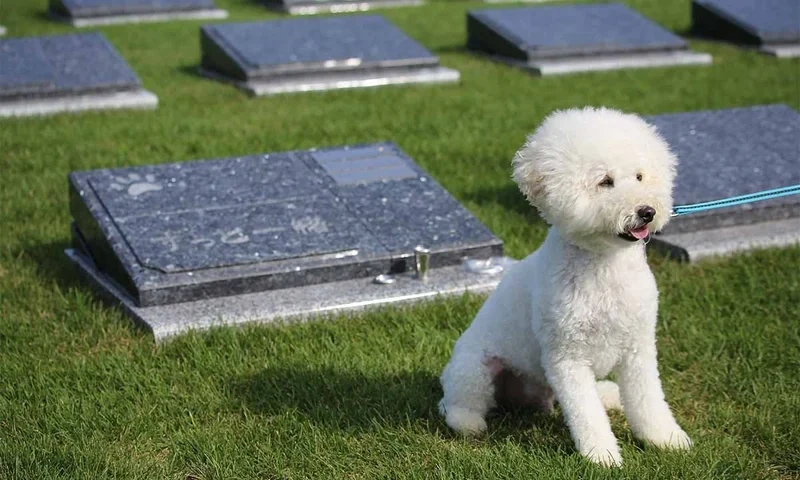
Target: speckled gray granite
pixel 82 13
pixel 309 7
pixel 286 305
pixel 27 107
pixel 83 22
pixel 715 242
pixel 771 24
pixel 40 75
pixel 598 63
pixel 557 39
pixel 313 51
pixel 187 231
pixel 726 153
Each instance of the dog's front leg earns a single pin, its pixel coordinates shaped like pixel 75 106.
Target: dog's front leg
pixel 575 387
pixel 643 400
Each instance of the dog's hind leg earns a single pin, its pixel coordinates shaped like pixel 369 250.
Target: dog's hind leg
pixel 468 394
pixel 609 395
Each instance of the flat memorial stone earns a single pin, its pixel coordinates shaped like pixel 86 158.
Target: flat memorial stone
pixel 189 233
pixel 43 75
pixel 307 54
pixel 85 13
pixel 771 25
pixel 558 39
pixel 727 153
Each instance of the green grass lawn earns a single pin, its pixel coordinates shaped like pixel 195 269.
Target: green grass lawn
pixel 84 394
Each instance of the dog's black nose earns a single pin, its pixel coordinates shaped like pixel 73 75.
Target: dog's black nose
pixel 646 213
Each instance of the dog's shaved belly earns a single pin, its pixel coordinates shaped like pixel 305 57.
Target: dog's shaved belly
pixel 514 389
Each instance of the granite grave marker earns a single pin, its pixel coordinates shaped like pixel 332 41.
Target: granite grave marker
pixel 189 245
pixel 559 39
pixel 85 13
pixel 44 75
pixel 726 153
pixel 773 26
pixel 309 54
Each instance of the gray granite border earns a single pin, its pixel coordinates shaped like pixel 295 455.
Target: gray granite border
pixel 596 63
pixel 208 14
pixel 340 7
pixel 3 30
pixel 518 1
pixel 339 80
pixel 286 305
pixel 695 246
pixel 141 99
pixel 782 51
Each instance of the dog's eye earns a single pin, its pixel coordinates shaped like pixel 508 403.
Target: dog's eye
pixel 607 182
pixel 639 177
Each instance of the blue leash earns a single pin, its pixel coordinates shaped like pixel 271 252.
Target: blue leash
pixel 729 202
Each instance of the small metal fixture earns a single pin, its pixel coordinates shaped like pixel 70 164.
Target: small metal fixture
pixel 384 279
pixel 422 257
pixel 488 266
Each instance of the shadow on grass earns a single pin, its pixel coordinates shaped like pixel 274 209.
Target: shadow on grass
pixel 353 402
pixel 192 70
pixel 51 263
pixel 341 400
pixel 455 48
pixel 507 196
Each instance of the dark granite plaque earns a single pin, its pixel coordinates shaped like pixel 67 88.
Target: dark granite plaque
pixel 564 30
pixel 755 22
pixel 96 8
pixel 285 47
pixel 559 39
pixel 189 231
pixel 726 153
pixel 316 54
pixel 62 65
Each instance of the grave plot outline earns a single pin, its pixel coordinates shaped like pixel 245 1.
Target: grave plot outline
pixel 365 233
pixel 589 37
pixel 314 54
pixel 66 73
pixel 729 152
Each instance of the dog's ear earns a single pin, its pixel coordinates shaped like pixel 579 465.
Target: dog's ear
pixel 527 174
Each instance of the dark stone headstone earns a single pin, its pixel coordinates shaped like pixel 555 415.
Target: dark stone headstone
pixel 192 231
pixel 773 25
pixel 37 73
pixel 567 38
pixel 316 53
pixel 99 12
pixel 727 153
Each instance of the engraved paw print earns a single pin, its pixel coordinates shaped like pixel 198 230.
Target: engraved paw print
pixel 135 185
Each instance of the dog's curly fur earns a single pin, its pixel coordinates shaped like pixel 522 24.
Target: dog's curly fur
pixel 585 303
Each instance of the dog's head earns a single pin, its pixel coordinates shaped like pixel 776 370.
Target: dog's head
pixel 598 175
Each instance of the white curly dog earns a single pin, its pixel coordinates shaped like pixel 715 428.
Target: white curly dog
pixel 585 303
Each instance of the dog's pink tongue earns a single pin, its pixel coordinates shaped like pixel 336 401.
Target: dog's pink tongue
pixel 640 233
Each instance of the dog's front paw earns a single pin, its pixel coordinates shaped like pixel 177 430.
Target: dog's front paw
pixel 674 439
pixel 467 422
pixel 608 457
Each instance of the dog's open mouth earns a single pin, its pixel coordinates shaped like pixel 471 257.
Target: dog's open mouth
pixel 636 234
